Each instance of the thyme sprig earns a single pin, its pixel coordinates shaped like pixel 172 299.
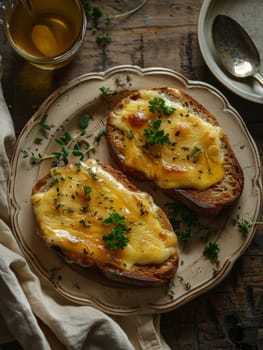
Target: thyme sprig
pixel 75 145
pixel 101 21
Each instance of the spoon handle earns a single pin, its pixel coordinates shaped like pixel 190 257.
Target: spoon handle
pixel 259 78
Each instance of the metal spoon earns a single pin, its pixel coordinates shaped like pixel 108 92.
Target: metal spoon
pixel 236 50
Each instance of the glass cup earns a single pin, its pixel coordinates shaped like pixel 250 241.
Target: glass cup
pixel 47 34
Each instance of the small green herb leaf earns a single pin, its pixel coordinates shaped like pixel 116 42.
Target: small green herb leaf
pixel 117 238
pixel 87 189
pixel 114 218
pixel 106 91
pixel 154 136
pixel 38 140
pixel 211 251
pixel 84 122
pixel 243 225
pixel 43 124
pixel 157 105
pixel 196 150
pixel 104 37
pixel 184 236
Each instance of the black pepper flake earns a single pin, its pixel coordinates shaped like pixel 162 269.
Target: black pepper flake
pixel 84 209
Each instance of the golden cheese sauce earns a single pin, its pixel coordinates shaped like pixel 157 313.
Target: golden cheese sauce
pixel 71 214
pixel 192 159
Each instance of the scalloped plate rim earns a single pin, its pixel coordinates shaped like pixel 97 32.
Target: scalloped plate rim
pixel 226 107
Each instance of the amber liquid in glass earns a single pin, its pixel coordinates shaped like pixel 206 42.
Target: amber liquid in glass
pixel 52 29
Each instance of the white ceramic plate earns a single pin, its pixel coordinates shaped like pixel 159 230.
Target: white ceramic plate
pixel 250 15
pixel 196 273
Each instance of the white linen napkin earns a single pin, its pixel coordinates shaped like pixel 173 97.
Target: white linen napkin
pixel 34 314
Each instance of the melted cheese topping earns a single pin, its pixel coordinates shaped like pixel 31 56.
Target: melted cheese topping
pixel 192 159
pixel 71 218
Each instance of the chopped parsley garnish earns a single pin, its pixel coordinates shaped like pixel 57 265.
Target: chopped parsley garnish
pixel 196 150
pixel 103 37
pixel 93 13
pixel 184 235
pixel 243 225
pixel 211 251
pixel 154 136
pixel 87 189
pixel 157 105
pixel 117 238
pixel 99 22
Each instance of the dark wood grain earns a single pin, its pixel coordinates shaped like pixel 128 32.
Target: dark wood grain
pixel 163 33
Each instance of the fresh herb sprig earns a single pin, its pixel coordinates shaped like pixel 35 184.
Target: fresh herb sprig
pixel 93 13
pixel 69 145
pixel 101 21
pixel 117 238
pixel 44 129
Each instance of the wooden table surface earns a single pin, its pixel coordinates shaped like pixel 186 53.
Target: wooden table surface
pixel 163 33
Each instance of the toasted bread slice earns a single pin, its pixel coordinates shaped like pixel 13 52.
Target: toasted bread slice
pixel 93 216
pixel 130 118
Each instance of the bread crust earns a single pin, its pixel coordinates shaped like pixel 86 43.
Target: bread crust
pixel 139 275
pixel 208 202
